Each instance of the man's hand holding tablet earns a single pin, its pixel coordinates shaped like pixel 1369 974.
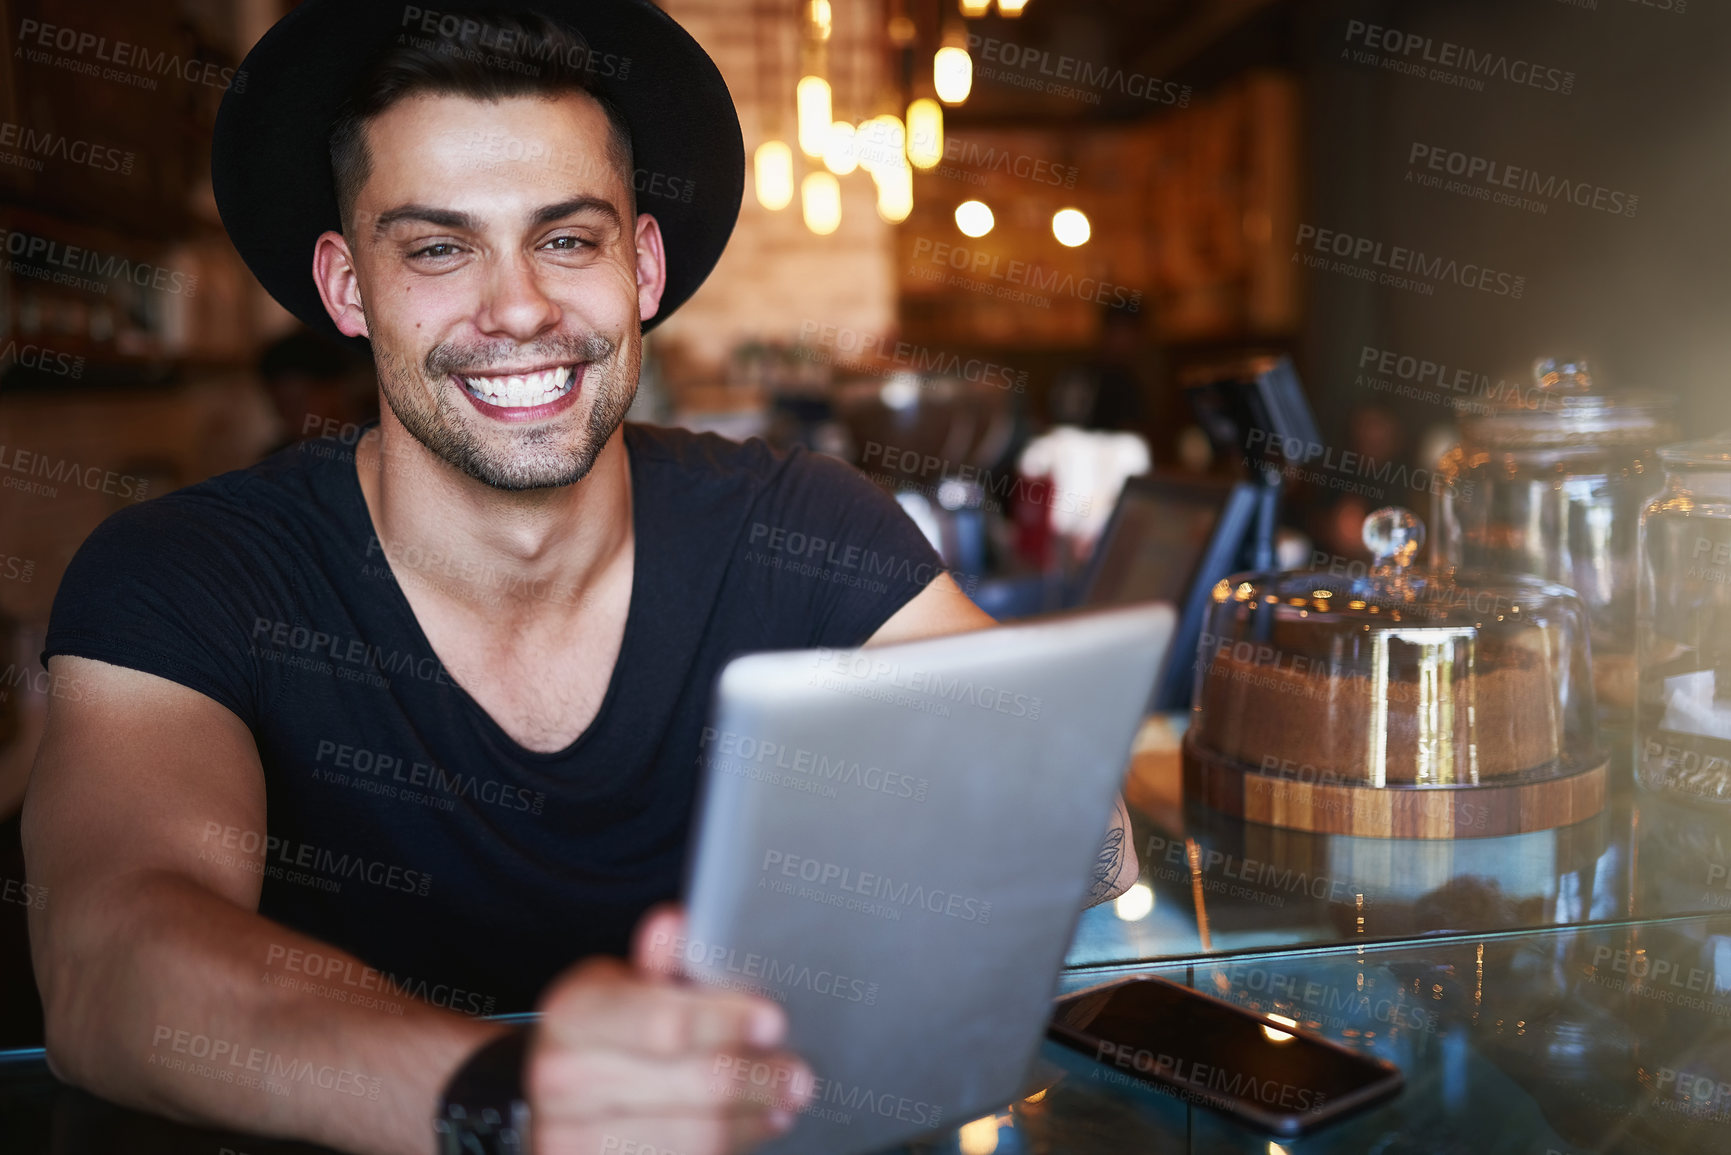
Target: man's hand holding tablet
pixel 628 1059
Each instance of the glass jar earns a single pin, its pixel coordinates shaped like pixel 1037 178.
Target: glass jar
pixel 1683 635
pixel 1551 484
pixel 1314 688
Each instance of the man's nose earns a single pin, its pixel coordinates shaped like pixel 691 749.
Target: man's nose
pixel 514 304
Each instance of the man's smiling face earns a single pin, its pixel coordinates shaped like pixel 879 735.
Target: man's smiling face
pixel 502 296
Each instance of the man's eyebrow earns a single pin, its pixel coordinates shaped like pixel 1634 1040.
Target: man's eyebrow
pixel 547 214
pixel 444 218
pixel 463 222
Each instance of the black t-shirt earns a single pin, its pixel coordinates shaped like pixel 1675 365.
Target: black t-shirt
pixel 404 825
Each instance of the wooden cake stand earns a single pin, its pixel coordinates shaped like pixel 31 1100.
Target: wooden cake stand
pixel 1496 808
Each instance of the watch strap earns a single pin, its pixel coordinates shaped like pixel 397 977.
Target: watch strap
pixel 482 1111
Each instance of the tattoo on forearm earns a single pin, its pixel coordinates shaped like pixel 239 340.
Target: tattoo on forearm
pixel 1107 865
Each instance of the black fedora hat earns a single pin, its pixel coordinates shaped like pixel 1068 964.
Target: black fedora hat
pixel 270 152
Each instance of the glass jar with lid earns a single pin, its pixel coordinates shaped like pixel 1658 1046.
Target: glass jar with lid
pixel 1551 483
pixel 1399 702
pixel 1683 634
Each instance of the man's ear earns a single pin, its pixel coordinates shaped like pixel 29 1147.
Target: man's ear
pixel 339 284
pixel 651 266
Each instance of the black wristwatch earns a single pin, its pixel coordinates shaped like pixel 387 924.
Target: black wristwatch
pixel 482 1111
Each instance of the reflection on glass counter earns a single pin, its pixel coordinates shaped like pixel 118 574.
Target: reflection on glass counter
pixel 1211 883
pixel 1612 1039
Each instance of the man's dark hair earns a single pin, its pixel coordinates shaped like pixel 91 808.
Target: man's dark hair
pixel 491 55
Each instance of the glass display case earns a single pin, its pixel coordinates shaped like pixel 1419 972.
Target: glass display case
pixel 1379 705
pixel 1551 484
pixel 1683 620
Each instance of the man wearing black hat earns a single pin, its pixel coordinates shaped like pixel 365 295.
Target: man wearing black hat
pixel 462 668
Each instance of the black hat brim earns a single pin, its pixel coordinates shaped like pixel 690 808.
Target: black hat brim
pixel 270 152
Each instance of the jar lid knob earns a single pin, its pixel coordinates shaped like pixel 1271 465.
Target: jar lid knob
pixel 1563 374
pixel 1393 536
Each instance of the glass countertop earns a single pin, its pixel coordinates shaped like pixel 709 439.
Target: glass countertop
pixel 1605 1039
pixel 1612 1039
pixel 1554 993
pixel 1213 884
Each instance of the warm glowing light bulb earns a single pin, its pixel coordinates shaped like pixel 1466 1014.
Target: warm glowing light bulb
pixel 952 74
pixel 880 143
pixel 975 7
pixel 821 19
pixel 974 218
pixel 1011 8
pixel 820 201
pixel 812 100
pixel 838 151
pixel 925 132
pixel 895 193
pixel 773 163
pixel 1071 227
pixel 1134 904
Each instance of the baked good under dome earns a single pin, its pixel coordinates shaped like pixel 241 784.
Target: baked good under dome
pixel 1372 704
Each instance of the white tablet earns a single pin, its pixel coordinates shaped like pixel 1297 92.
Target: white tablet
pixel 895 844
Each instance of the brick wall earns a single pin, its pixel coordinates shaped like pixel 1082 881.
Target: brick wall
pixel 776 274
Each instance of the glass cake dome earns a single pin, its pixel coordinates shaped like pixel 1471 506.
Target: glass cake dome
pixel 1331 700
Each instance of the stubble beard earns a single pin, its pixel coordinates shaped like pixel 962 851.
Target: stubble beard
pixel 537 457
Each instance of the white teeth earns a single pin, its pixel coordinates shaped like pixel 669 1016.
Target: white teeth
pixel 522 390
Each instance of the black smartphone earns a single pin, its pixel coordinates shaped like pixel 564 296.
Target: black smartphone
pixel 1263 1070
